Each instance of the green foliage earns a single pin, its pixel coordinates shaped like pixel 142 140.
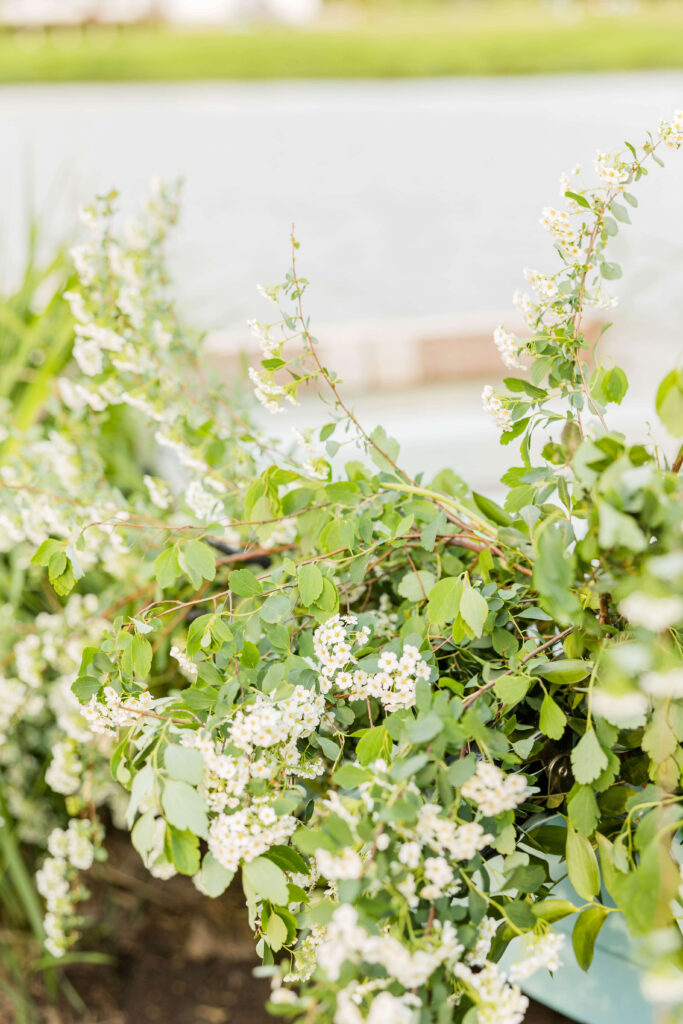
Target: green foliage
pixel 377 722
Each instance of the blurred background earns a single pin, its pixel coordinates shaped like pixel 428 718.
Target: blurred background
pixel 413 144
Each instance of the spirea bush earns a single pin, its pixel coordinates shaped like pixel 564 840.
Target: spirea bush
pixel 395 709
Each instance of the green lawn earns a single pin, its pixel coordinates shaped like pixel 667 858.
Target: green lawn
pixel 487 41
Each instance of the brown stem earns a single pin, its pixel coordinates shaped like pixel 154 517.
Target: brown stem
pixel 527 657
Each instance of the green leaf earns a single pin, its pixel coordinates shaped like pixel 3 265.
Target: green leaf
pixel 374 743
pixel 620 212
pixel 430 531
pixel 586 930
pixel 669 403
pixel 350 776
pixel 184 808
pixel 213 877
pixel 46 550
pixel 142 833
pixel 184 763
pixel 267 880
pixel 287 859
pixel 182 849
pixel 511 689
pixel 197 561
pixel 583 811
pixel 473 609
pixel 276 608
pixel 166 568
pixel 424 729
pixel 553 909
pixel 85 687
pixel 387 445
pixel 520 913
pixel 552 721
pixel 588 758
pixel 444 600
pixel 554 575
pixel 582 864
pixel 564 672
pixel 615 385
pixel 579 199
pixel 618 530
pixel 276 932
pixel 141 655
pixel 611 271
pixel 310 581
pixel 243 583
pixel 414 586
pixel 519 385
pixel 491 510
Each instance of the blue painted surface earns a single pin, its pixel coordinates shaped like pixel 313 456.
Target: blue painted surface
pixel 610 990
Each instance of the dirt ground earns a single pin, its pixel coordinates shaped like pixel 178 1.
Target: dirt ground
pixel 177 958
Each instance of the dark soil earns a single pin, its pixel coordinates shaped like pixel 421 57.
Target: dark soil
pixel 176 957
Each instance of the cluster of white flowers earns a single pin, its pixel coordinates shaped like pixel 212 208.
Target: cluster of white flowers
pixel 201 502
pixel 269 346
pixel 612 170
pixel 267 732
pixel 113 713
pixel 70 850
pixel 668 683
pixel 544 285
pixel 477 956
pixel 671 132
pixel 248 832
pixel 493 405
pixel 559 226
pixel 315 464
pixel 269 722
pixel 539 951
pixel 497 1001
pixel 158 491
pixel 654 613
pixel 493 791
pixel 268 393
pixel 439 876
pixel 508 346
pixel 186 665
pixel 394 682
pixel 347 864
pixel 63 774
pixel 462 842
pixel 623 709
pixel 345 940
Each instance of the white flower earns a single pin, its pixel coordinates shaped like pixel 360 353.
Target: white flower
pixel 410 854
pixel 508 347
pixel 346 865
pixel 540 951
pixel 624 709
pixel 663 684
pixel 611 170
pixel 493 405
pixel 159 493
pixel 388 1009
pixel 204 505
pixel 493 791
pixel 654 613
pixel 188 668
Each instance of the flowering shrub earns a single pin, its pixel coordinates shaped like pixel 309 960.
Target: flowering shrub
pixel 389 705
